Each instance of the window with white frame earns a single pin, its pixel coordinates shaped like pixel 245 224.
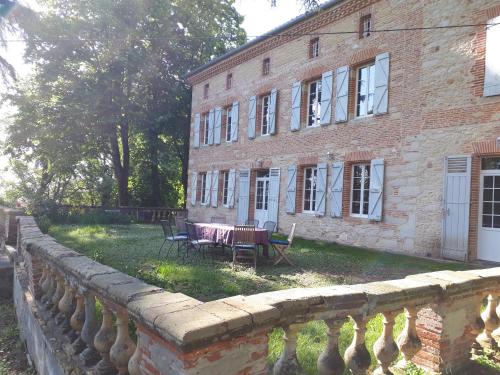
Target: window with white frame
pixel 266 118
pixel 314 48
pixel 314 104
pixel 225 189
pixel 365 87
pixel 360 192
pixel 205 191
pixel 205 128
pixel 310 175
pixel 365 26
pixel 229 113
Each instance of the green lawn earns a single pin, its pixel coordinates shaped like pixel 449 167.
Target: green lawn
pixel 133 249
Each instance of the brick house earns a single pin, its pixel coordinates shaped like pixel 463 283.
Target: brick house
pixel 382 139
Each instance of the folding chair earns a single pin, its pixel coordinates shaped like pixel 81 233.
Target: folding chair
pixel 244 246
pixel 170 237
pixel 254 222
pixel 195 242
pixel 218 219
pixel 281 246
pixel 180 225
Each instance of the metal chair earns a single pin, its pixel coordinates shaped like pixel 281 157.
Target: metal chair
pixel 244 246
pixel 270 226
pixel 281 247
pixel 253 222
pixel 195 242
pixel 170 237
pixel 218 219
pixel 180 225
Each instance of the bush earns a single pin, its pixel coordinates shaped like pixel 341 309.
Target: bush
pixel 93 218
pixel 44 223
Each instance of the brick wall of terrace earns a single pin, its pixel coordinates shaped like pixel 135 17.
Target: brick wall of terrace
pixel 57 290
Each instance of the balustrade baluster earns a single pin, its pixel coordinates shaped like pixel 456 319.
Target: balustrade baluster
pixel 357 357
pixel 408 342
pixel 66 307
pixel 89 356
pixel 103 341
pixel 288 364
pixel 491 321
pixel 496 332
pixel 330 362
pixel 133 363
pixel 124 347
pixel 51 288
pixel 40 284
pixel 385 349
pixel 77 321
pixel 58 294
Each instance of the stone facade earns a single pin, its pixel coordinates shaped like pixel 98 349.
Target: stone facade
pixel 436 109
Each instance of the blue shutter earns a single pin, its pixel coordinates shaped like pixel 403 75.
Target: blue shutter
pixel 376 190
pixel 381 95
pixel 196 140
pixel 274 194
pixel 290 189
pixel 243 197
pixel 211 120
pixel 217 125
pixel 295 116
pixel 342 94
pixel 214 188
pixel 326 97
pixel 252 110
pixel 231 188
pixel 272 111
pixel 321 174
pixel 337 188
pixel 194 182
pixel 234 121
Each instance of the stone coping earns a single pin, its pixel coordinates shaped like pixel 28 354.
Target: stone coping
pixel 190 324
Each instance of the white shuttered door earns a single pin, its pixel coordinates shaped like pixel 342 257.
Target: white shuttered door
pixel 252 110
pixel 290 189
pixel 295 116
pixel 381 95
pixel 456 201
pixel 326 97
pixel 243 197
pixel 341 94
pixel 274 193
pixel 492 59
pixel 376 190
pixel 337 188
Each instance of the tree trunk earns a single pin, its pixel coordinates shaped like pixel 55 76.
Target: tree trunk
pixel 155 171
pixel 121 163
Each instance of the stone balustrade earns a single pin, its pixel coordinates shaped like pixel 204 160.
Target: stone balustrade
pixel 86 310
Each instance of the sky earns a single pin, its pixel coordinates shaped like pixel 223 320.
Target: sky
pixel 259 17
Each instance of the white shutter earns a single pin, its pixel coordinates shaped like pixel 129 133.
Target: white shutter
pixel 211 119
pixel 272 111
pixel 208 188
pixel 290 189
pixel 196 141
pixel 274 194
pixel 217 125
pixel 194 181
pixel 376 190
pixel 214 190
pixel 296 96
pixel 234 121
pixel 243 197
pixel 230 188
pixel 321 174
pixel 252 109
pixel 381 96
pixel 337 188
pixel 492 59
pixel 342 94
pixel 326 97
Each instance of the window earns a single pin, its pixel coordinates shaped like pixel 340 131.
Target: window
pixel 229 81
pixel 360 193
pixel 262 190
pixel 314 48
pixel 229 114
pixel 365 90
pixel 205 191
pixel 205 128
pixel 365 26
pixel 225 189
pixel 205 91
pixel 314 104
pixel 266 100
pixel 310 175
pixel 266 66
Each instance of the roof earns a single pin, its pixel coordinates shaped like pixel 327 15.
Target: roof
pixel 269 34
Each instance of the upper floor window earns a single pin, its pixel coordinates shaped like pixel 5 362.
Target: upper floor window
pixel 314 48
pixel 365 86
pixel 206 126
pixel 266 66
pixel 314 103
pixel 266 117
pixel 205 90
pixel 360 193
pixel 365 26
pixel 225 189
pixel 229 81
pixel 229 118
pixel 205 189
pixel 310 175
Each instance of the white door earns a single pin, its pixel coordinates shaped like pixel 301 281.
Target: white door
pixel 456 207
pixel 262 197
pixel 489 211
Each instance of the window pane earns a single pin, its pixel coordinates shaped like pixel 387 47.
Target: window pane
pixel 355 207
pixel 487 221
pixel 497 195
pixel 490 163
pixel 488 181
pixel 358 171
pixel 496 222
pixel 488 195
pixel 496 209
pixel 365 208
pixel 497 181
pixel 366 194
pixel 487 208
pixel 356 195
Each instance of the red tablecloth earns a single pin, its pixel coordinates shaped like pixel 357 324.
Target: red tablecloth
pixel 223 233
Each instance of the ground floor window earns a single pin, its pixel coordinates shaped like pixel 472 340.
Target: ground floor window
pixel 310 175
pixel 205 191
pixel 225 189
pixel 360 193
pixel 262 190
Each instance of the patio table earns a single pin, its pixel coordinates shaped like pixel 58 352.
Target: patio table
pixel 223 233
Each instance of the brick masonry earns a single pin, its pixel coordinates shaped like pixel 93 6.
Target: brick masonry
pixel 435 109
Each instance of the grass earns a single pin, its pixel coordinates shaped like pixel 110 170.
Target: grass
pixel 133 249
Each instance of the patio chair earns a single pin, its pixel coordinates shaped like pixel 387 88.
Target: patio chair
pixel 244 246
pixel 180 225
pixel 218 219
pixel 270 226
pixel 195 242
pixel 281 247
pixel 253 222
pixel 170 237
